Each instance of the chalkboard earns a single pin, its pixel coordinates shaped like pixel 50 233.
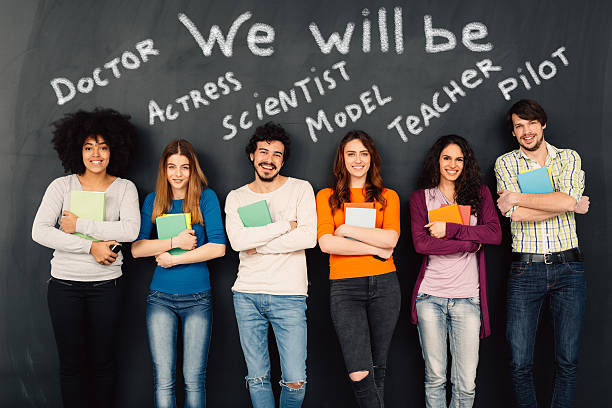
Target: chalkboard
pixel 211 71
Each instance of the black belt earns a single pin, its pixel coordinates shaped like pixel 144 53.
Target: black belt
pixel 571 255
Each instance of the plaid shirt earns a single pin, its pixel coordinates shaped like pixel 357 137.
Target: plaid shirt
pixel 553 234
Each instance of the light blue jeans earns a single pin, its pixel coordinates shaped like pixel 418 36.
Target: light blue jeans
pixel 287 314
pixel 459 319
pixel 164 314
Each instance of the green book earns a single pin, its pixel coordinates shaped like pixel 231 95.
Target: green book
pixel 255 215
pixel 88 205
pixel 170 225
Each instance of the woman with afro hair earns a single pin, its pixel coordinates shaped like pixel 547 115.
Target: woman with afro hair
pixel 84 288
pixel 449 299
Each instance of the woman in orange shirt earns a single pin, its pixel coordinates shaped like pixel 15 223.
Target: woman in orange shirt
pixel 364 290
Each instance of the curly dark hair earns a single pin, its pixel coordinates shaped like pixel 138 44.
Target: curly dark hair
pixel 73 129
pixel 268 133
pixel 467 185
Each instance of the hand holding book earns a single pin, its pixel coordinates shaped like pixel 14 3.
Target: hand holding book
pixel 68 222
pixel 437 229
pixel 177 228
pixel 186 240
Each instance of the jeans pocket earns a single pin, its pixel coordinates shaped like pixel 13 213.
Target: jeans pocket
pixel 475 300
pixel 517 269
pixel 576 267
pixel 422 296
pixel 203 298
pixel 60 281
pixel 152 294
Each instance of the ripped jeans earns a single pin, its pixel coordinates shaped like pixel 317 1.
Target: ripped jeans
pixel 287 315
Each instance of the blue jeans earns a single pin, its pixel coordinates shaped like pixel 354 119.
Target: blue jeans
pixel 459 318
pixel 164 314
pixel 287 314
pixel 528 285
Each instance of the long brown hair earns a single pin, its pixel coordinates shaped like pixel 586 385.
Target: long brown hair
pixel 341 177
pixel 197 182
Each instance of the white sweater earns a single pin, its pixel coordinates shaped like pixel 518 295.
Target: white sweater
pixel 279 266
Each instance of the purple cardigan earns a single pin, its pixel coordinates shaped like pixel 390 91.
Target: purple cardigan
pixel 460 238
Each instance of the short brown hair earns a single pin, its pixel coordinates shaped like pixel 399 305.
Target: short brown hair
pixel 527 109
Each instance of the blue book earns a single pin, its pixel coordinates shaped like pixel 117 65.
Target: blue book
pixel 536 181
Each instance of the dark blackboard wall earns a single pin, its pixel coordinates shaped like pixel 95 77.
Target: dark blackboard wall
pixel 44 40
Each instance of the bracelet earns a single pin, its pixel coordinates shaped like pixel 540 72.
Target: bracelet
pixel 170 242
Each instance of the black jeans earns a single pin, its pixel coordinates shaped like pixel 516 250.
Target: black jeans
pixel 364 312
pixel 84 317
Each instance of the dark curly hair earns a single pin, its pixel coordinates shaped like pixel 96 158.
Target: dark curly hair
pixel 467 185
pixel 73 129
pixel 268 133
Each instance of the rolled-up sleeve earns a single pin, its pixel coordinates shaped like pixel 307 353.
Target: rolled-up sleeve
pixel 505 173
pixel 571 178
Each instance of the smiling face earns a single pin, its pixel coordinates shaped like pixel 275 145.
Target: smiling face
pixel 528 133
pixel 268 159
pixel 96 155
pixel 357 160
pixel 177 174
pixel 451 163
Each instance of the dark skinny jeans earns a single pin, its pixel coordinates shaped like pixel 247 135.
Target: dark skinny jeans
pixel 84 317
pixel 364 312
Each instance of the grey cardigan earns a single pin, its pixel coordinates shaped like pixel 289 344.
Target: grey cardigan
pixel 71 258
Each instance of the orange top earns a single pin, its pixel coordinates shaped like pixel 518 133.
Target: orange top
pixel 355 266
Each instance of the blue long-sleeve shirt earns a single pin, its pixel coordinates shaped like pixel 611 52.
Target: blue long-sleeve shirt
pixel 186 278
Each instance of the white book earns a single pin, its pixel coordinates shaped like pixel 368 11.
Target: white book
pixel 360 217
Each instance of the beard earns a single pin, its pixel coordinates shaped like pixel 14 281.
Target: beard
pixel 535 147
pixel 262 177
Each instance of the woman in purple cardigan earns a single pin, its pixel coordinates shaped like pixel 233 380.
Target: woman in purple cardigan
pixel 450 295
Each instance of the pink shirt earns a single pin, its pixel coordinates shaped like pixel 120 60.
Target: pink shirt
pixel 454 275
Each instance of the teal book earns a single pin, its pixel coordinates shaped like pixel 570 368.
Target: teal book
pixel 255 215
pixel 536 181
pixel 88 205
pixel 170 225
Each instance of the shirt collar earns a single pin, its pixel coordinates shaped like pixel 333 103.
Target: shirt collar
pixel 552 153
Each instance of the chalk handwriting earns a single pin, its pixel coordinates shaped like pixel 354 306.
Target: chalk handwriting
pixel 351 111
pixel 470 79
pixel 212 90
pixel 470 33
pixel 342 43
pixel 284 100
pixel 546 70
pixel 65 89
pixel 226 44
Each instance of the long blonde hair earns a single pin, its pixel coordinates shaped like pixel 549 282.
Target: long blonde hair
pixel 197 183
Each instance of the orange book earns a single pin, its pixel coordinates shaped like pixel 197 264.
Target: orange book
pixel 449 213
pixel 465 211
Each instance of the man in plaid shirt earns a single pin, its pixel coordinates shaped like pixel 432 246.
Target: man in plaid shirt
pixel 546 260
